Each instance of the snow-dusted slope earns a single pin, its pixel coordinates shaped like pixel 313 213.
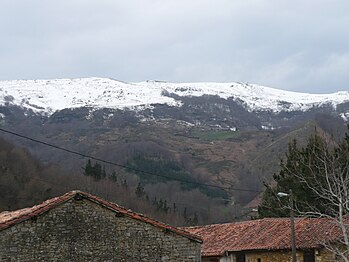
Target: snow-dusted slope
pixel 47 96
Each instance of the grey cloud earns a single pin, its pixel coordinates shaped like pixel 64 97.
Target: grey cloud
pixel 294 45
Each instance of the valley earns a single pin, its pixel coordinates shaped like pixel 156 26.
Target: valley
pixel 205 152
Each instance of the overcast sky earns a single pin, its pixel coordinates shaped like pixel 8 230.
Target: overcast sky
pixel 299 45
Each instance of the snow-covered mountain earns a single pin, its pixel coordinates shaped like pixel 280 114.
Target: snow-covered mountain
pixel 48 96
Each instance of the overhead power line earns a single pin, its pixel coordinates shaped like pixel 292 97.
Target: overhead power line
pixel 123 166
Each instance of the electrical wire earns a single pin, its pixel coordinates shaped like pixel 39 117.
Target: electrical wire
pixel 124 166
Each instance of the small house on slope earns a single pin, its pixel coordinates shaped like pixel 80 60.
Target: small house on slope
pixel 81 227
pixel 268 240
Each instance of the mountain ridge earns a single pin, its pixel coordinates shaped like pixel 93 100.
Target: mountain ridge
pixel 49 96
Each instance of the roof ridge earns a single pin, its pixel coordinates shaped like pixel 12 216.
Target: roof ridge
pixel 254 221
pixel 239 222
pixel 10 218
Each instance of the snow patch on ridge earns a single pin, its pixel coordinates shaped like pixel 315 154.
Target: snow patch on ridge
pixel 48 96
pixel 345 116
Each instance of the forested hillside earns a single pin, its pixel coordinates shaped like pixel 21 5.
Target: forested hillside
pixel 237 161
pixel 25 181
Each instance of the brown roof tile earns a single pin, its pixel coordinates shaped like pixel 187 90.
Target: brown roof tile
pixel 8 219
pixel 264 234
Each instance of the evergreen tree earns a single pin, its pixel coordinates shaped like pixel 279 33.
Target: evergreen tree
pixel 139 190
pixel 308 171
pixel 155 201
pixel 165 207
pixel 195 218
pixel 113 176
pixel 104 173
pixel 174 208
pixel 88 170
pixel 124 183
pixel 96 171
pixel 160 204
pixel 185 215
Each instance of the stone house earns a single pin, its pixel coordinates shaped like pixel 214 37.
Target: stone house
pixel 81 227
pixel 267 240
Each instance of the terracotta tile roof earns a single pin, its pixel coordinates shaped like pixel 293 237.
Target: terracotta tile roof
pixel 8 219
pixel 265 234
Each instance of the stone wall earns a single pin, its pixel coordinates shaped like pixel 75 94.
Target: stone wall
pixel 80 230
pixel 326 256
pixel 277 256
